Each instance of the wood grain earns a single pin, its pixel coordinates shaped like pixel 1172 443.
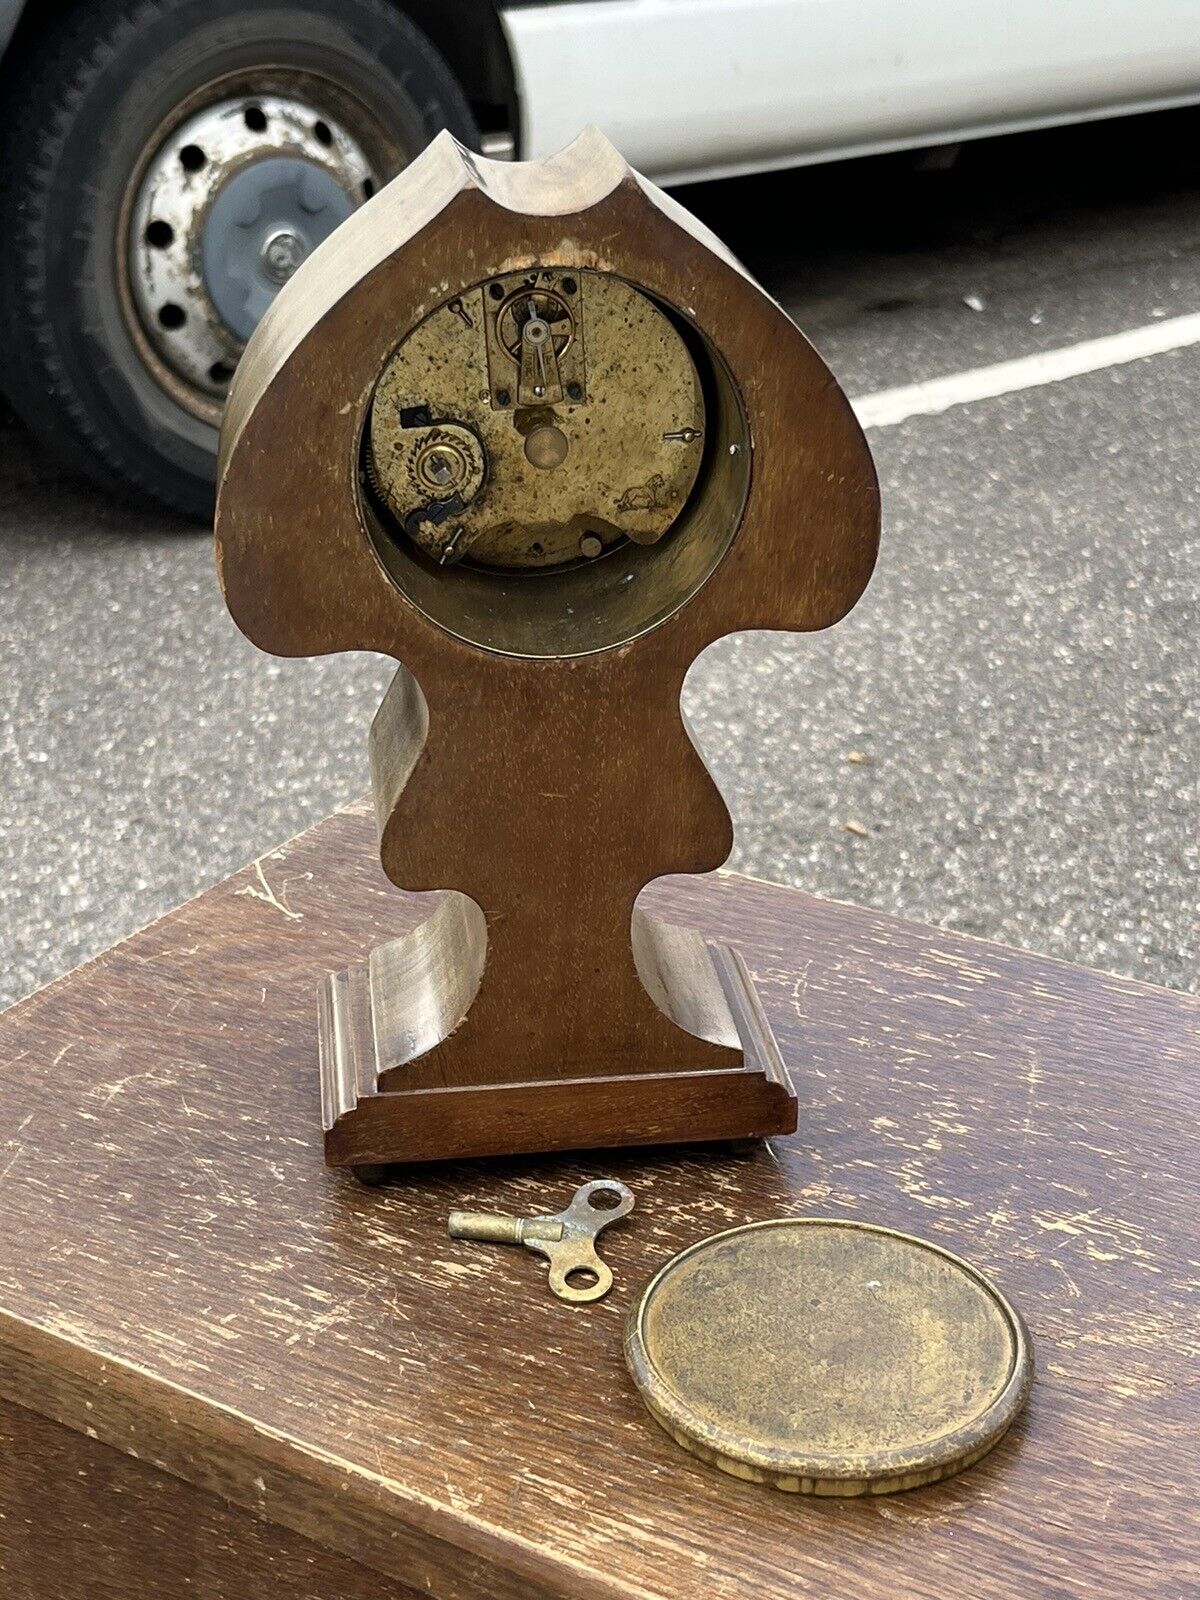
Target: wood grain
pixel 181 1277
pixel 82 1521
pixel 547 789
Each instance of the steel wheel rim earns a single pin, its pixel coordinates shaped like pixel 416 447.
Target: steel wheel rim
pixel 231 130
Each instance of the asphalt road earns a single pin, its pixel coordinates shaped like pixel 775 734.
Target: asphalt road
pixel 1021 677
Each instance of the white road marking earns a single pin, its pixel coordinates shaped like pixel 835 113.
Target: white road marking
pixel 890 406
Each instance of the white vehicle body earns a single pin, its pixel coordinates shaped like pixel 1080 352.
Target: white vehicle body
pixel 692 89
pixel 168 163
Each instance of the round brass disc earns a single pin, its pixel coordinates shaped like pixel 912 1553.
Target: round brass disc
pixel 828 1357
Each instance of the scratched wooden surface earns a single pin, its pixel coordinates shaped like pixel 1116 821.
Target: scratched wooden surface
pixel 81 1521
pixel 182 1279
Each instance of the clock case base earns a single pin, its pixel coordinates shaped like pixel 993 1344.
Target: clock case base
pixel 369 1126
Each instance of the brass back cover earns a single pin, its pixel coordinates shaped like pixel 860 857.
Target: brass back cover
pixel 828 1357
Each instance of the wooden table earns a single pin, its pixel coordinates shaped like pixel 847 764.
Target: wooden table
pixel 228 1372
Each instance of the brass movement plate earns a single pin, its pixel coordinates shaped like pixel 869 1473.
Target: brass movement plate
pixel 828 1357
pixel 506 455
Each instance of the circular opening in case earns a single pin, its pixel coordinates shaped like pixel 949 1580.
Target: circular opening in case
pixel 554 470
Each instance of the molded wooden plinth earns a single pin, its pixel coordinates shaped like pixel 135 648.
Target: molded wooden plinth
pixel 362 1037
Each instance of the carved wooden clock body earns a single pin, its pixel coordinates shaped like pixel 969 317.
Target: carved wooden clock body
pixel 529 430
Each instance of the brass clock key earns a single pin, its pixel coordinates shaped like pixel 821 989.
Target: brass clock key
pixel 567 1240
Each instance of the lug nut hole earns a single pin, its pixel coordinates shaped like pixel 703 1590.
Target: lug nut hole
pixel 172 316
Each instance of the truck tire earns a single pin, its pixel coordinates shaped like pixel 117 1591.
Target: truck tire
pixel 168 164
